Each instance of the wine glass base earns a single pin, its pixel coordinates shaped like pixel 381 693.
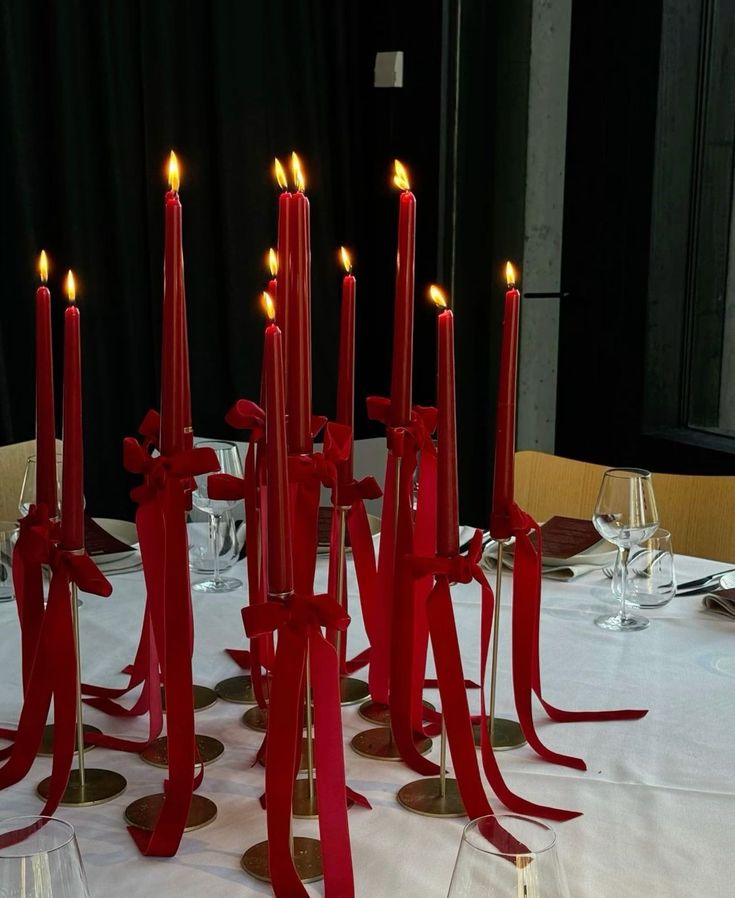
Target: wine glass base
pixel 224 584
pixel 618 623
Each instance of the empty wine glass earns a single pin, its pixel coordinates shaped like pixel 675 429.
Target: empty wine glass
pixel 626 515
pixel 508 856
pixel 228 457
pixel 39 857
pixel 653 583
pixel 28 488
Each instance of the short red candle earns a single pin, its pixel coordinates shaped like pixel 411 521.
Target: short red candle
pixel 505 428
pixel 72 487
pixel 280 565
pixel 298 324
pixel 45 414
pixel 401 376
pixel 447 512
pixel 174 356
pixel 346 364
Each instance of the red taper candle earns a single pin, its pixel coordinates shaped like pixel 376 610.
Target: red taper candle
pixel 447 501
pixel 346 365
pixel 401 375
pixel 174 354
pixel 280 564
pixel 284 248
pixel 298 322
pixel 45 414
pixel 505 427
pixel 72 487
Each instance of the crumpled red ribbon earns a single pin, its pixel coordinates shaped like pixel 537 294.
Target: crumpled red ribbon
pixel 298 622
pixel 526 653
pixel 54 669
pixel 454 705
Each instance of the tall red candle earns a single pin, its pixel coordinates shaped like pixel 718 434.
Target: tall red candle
pixel 284 248
pixel 175 397
pixel 298 322
pixel 447 512
pixel 400 389
pixel 280 564
pixel 45 414
pixel 346 364
pixel 72 487
pixel 505 428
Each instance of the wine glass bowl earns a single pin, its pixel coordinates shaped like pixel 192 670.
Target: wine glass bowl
pixel 626 515
pixel 229 460
pixel 28 487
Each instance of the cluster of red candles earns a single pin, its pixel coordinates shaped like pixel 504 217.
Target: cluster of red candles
pixel 286 372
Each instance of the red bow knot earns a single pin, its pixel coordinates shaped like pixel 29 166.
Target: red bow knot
pixel 299 613
pixel 323 465
pixel 247 415
pixel 157 469
pixel 457 568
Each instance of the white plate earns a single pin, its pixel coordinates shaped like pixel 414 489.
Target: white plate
pixel 125 531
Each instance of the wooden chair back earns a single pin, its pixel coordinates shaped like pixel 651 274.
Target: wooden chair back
pixel 696 508
pixel 13 460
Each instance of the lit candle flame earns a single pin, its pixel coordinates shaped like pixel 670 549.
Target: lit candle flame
pixel 268 305
pixel 71 287
pixel 298 173
pixel 510 275
pixel 438 297
pixel 346 260
pixel 43 266
pixel 273 262
pixel 173 172
pixel 400 178
pixel 280 174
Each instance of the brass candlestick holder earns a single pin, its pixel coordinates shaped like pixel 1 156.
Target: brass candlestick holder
pixel 236 689
pixel 144 812
pixel 436 796
pixel 208 750
pixel 304 792
pixel 86 786
pixel 352 690
pixel 504 733
pixel 203 697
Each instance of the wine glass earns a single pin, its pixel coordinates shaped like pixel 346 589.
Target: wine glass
pixel 653 583
pixel 508 856
pixel 28 488
pixel 200 551
pixel 229 463
pixel 626 515
pixel 39 857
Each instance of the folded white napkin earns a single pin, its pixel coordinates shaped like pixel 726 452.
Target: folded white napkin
pixel 570 569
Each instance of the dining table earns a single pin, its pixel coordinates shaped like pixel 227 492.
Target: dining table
pixel 657 798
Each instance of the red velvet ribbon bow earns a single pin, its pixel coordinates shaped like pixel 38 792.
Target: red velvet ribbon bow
pixel 247 415
pixel 452 685
pixel 298 622
pixel 526 639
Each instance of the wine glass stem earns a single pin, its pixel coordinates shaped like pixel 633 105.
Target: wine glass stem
pixel 624 553
pixel 214 546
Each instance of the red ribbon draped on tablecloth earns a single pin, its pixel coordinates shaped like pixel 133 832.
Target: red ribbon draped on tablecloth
pixel 298 622
pixel 454 705
pixel 54 670
pixel 526 649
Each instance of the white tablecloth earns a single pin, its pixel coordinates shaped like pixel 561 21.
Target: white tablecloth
pixel 657 798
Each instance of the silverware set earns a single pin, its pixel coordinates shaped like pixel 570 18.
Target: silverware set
pixel 691 587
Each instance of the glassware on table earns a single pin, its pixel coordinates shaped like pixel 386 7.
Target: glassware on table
pixel 508 856
pixel 201 558
pixel 41 860
pixel 8 536
pixel 626 515
pixel 652 583
pixel 228 457
pixel 28 488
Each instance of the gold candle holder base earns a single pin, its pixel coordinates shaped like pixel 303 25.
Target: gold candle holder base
pixel 305 805
pixel 307 858
pixel 506 734
pixel 203 696
pixel 352 690
pixel 99 786
pixel 378 744
pixel 156 754
pixel 425 797
pixel 144 812
pixel 236 689
pixel 377 712
pixel 256 719
pixel 47 741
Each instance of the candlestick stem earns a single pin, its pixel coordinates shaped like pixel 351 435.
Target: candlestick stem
pixel 309 728
pixel 443 761
pixel 341 554
pixel 496 637
pixel 77 655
